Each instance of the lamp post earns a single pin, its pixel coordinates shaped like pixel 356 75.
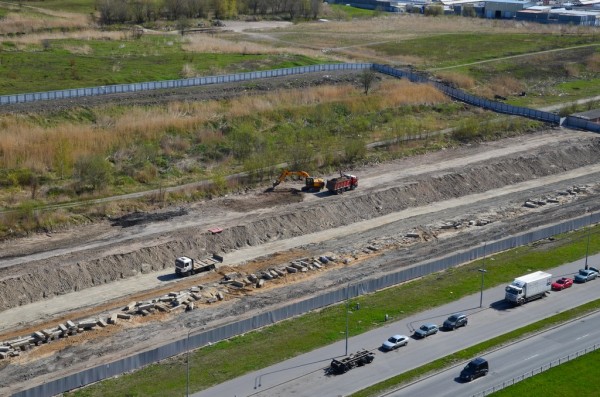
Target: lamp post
pixel 347 309
pixel 482 271
pixel 587 248
pixel 187 362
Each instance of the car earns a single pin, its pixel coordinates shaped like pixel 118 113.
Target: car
pixel 394 342
pixel 425 330
pixel 585 275
pixel 456 320
pixel 562 283
pixel 474 369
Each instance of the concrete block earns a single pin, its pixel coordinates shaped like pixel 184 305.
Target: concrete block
pixel 317 265
pixel 62 327
pixel 20 342
pixel 260 283
pixel 102 323
pixel 3 355
pixel 220 295
pixel 267 275
pixel 144 312
pixel 124 316
pixel 88 323
pixel 129 307
pixel 39 335
pixel 279 272
pixel 291 269
pixel 113 318
pixel 4 348
pixel 211 300
pixel 195 289
pixel 161 307
pixel 145 306
pixel 530 204
pixel 298 266
pixel 71 324
pixel 238 284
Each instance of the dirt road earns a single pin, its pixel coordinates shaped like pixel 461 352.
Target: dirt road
pixel 101 265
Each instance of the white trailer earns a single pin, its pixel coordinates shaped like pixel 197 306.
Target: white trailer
pixel 528 287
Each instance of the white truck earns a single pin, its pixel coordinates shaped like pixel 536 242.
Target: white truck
pixel 528 287
pixel 185 266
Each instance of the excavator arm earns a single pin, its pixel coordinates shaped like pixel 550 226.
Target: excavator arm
pixel 286 173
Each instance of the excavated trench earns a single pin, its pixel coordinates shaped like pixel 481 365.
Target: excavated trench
pixel 38 280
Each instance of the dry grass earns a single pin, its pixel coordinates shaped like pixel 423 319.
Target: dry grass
pixel 501 85
pixel 592 63
pixel 18 23
pixel 457 79
pixel 25 144
pixel 402 92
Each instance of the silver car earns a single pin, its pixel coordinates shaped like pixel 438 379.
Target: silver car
pixel 425 330
pixel 585 275
pixel 394 342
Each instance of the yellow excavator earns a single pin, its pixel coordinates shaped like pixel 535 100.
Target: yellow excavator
pixel 311 184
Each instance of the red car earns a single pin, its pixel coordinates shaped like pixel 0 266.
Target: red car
pixel 562 283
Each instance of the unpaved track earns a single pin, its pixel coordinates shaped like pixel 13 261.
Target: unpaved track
pixel 539 165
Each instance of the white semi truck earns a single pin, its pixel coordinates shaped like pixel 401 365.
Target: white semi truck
pixel 185 266
pixel 528 287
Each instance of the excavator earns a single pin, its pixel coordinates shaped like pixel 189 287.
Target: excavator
pixel 311 184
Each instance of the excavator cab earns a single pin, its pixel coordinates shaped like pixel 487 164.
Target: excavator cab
pixel 314 184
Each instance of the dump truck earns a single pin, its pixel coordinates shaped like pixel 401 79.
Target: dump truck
pixel 343 183
pixel 345 364
pixel 528 287
pixel 186 266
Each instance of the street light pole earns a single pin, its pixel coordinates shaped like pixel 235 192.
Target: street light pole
pixel 483 271
pixel 347 308
pixel 587 248
pixel 187 360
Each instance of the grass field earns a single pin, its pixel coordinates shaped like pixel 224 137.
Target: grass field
pixel 61 64
pixel 578 377
pixel 212 365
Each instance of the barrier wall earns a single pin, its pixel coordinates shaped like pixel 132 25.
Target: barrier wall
pixel 137 361
pixel 158 85
pixel 571 122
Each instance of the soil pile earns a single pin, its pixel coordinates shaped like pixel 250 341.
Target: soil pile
pixel 38 280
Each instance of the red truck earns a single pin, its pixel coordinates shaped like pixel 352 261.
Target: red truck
pixel 342 184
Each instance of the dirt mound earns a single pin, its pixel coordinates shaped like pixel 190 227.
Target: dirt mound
pixel 38 280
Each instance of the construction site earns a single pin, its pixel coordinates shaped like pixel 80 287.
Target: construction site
pixel 74 299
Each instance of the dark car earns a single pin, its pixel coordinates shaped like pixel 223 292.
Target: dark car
pixel 425 330
pixel 562 283
pixel 456 320
pixel 474 369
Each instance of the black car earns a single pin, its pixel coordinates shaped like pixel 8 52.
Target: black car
pixel 456 320
pixel 474 369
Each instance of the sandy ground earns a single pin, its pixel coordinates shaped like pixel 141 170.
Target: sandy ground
pixel 95 269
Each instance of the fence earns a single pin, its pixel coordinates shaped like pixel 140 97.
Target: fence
pixel 537 371
pixel 264 319
pixel 572 122
pixel 181 83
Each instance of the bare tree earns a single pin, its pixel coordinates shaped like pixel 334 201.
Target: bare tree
pixel 367 77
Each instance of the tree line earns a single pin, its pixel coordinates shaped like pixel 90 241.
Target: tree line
pixel 141 11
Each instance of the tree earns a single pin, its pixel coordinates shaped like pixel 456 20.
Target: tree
pixel 183 24
pixel 92 172
pixel 367 77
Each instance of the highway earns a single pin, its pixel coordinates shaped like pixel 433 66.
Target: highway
pixel 305 375
pixel 513 361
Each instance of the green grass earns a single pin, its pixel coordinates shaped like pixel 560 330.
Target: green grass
pixel 354 12
pixel 457 49
pixel 232 358
pixel 578 377
pixel 66 64
pixel 77 6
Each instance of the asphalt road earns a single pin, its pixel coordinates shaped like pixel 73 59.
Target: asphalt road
pixel 513 361
pixel 305 375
